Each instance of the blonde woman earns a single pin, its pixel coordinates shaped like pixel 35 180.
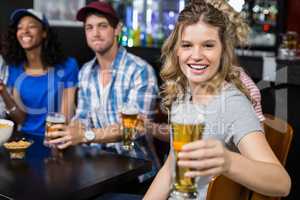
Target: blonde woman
pixel 199 67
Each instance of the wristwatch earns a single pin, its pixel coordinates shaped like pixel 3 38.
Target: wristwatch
pixel 89 135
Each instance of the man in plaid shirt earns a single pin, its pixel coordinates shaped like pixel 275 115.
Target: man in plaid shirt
pixel 112 78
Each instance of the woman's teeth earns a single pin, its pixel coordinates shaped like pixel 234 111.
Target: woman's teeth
pixel 198 67
pixel 26 39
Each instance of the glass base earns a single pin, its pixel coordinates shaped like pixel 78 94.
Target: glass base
pixel 177 195
pixel 128 147
pixel 56 155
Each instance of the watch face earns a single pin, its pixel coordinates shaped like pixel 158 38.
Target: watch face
pixel 89 135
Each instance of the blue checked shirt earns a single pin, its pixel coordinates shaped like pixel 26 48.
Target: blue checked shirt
pixel 133 81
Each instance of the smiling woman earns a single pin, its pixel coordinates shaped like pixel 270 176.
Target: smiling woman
pixel 40 77
pixel 198 69
pixel 30 33
pixel 199 57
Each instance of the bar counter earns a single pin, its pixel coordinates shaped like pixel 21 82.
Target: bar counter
pixel 84 172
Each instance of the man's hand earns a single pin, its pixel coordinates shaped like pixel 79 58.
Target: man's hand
pixel 67 135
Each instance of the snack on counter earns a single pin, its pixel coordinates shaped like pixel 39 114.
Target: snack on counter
pixel 17 149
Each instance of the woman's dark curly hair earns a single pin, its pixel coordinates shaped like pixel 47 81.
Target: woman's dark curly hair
pixel 14 54
pixel 1 40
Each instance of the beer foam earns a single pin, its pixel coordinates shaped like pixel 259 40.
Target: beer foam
pixel 130 110
pixel 187 113
pixel 56 119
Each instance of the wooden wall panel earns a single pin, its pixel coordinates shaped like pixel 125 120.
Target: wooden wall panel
pixel 293 7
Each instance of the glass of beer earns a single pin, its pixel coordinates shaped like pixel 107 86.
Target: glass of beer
pixel 129 115
pixel 187 126
pixel 54 118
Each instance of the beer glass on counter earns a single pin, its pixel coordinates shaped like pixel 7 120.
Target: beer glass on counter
pixel 187 126
pixel 54 118
pixel 129 115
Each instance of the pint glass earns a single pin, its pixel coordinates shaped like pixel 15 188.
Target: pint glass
pixel 187 126
pixel 129 121
pixel 52 119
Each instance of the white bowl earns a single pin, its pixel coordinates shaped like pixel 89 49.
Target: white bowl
pixel 6 129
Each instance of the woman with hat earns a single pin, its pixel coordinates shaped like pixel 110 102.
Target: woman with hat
pixel 42 80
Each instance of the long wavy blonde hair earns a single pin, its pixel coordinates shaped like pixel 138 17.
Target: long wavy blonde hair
pixel 232 31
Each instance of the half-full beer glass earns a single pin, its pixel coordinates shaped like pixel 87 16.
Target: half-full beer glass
pixel 187 126
pixel 129 121
pixel 54 118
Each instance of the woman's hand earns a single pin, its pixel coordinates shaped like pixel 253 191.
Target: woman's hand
pixel 204 158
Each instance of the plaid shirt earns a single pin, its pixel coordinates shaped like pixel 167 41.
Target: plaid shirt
pixel 133 80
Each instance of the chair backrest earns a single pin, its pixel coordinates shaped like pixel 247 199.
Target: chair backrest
pixel 279 135
pixel 222 188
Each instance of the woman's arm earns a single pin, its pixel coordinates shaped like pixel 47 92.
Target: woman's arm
pixel 160 187
pixel 13 104
pixel 256 167
pixel 68 103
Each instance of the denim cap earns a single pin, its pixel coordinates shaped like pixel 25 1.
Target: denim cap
pixel 19 13
pixel 98 6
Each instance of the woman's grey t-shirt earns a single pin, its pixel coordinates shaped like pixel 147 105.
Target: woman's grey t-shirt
pixel 228 117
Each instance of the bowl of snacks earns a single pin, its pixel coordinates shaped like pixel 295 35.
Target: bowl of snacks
pixel 6 129
pixel 17 149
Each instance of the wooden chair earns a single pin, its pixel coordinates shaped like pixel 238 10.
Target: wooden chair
pixel 222 188
pixel 279 135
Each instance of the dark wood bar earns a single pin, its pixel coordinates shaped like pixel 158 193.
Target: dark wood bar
pixel 83 173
